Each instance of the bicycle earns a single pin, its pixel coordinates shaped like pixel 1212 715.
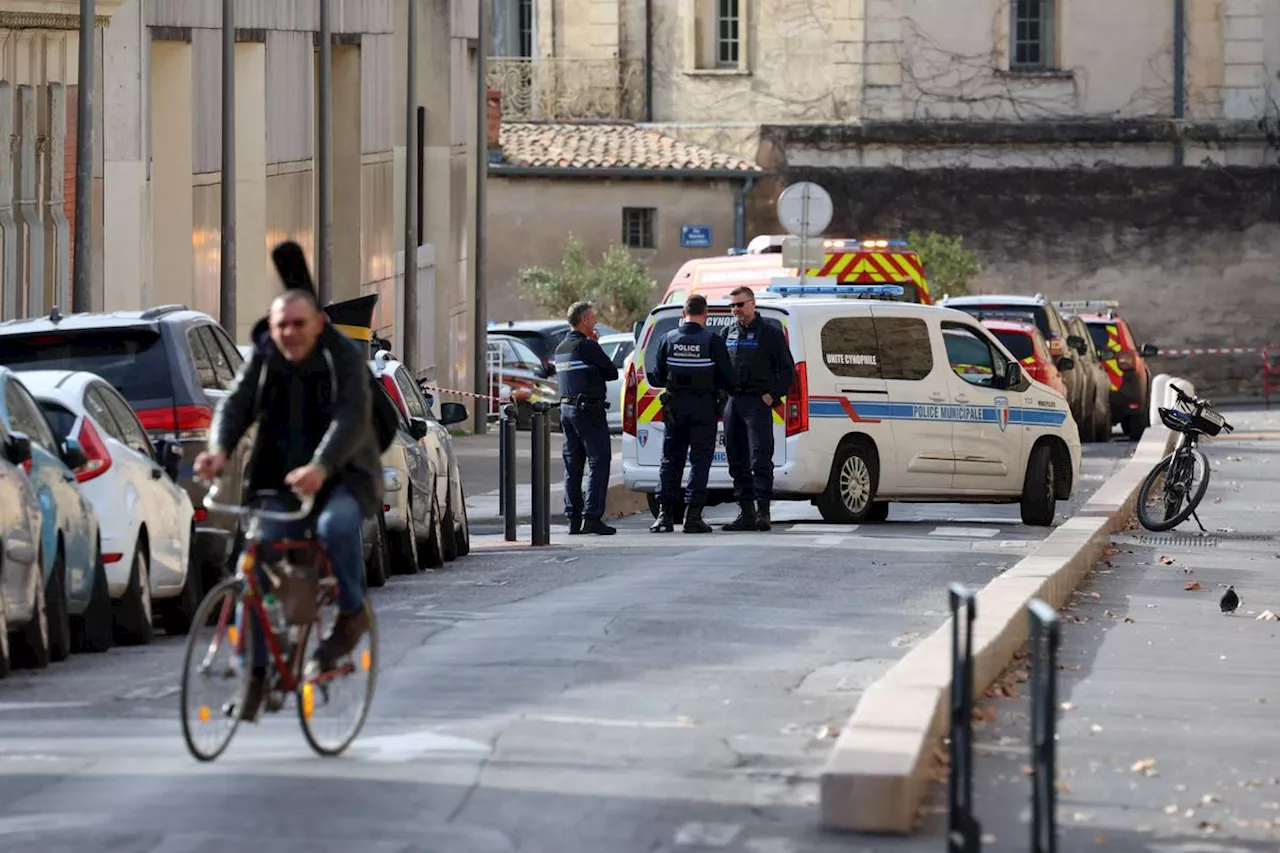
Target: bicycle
pixel 304 588
pixel 1195 418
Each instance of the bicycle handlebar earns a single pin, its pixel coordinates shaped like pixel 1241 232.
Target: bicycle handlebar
pixel 1200 405
pixel 270 515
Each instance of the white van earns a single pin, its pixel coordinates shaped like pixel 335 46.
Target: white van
pixel 892 401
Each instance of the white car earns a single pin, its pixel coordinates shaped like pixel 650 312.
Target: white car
pixel 617 347
pixel 146 519
pixel 891 401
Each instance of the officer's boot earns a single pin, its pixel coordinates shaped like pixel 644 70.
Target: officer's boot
pixel 663 523
pixel 763 522
pixel 575 526
pixel 746 519
pixel 693 522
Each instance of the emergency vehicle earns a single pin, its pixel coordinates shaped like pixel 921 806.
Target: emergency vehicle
pixel 892 401
pixel 1124 360
pixel 771 257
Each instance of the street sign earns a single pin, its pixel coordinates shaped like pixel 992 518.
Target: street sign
pixel 804 209
pixel 695 236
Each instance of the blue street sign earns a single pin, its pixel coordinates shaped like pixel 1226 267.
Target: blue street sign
pixel 695 236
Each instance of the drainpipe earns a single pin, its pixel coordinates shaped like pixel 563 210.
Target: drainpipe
pixel 648 60
pixel 740 212
pixel 1179 77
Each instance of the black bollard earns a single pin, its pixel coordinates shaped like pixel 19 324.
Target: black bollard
pixel 964 833
pixel 507 477
pixel 1042 649
pixel 540 488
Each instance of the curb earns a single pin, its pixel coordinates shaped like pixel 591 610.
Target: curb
pixel 619 501
pixel 880 769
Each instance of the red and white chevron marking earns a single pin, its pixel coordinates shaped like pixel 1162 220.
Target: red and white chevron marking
pixel 1210 350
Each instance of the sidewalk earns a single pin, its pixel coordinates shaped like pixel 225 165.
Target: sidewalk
pixel 1167 730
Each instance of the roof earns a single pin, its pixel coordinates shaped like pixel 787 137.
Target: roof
pixel 527 325
pixel 996 299
pixel 608 146
pixel 69 380
pixel 104 320
pixel 1010 326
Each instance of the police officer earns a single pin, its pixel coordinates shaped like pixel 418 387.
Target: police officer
pixel 762 369
pixel 693 365
pixel 582 369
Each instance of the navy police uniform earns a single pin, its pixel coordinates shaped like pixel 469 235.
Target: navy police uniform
pixel 762 364
pixel 582 370
pixel 693 365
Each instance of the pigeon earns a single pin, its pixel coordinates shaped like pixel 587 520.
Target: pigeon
pixel 1230 601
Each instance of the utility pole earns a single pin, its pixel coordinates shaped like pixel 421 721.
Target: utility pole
pixel 410 343
pixel 227 296
pixel 82 263
pixel 479 357
pixel 324 257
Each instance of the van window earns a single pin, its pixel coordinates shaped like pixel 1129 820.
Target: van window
pixel 906 353
pixel 1017 343
pixel 972 358
pixel 849 347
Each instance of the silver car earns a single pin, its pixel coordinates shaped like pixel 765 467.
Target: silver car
pixel 23 623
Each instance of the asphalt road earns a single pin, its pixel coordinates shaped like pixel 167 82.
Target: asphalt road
pixel 632 693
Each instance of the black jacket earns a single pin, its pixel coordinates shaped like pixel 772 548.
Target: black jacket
pixel 762 362
pixel 318 411
pixel 692 358
pixel 582 368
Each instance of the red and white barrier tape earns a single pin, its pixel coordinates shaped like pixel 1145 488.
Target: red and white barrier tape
pixel 470 394
pixel 1210 350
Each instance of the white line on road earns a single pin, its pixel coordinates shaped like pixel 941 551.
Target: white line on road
pixel 36 706
pixel 679 723
pixel 972 532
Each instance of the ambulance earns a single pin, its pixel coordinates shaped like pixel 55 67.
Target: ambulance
pixel 771 257
pixel 892 402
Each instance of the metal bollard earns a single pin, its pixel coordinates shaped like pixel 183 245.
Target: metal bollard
pixel 507 475
pixel 964 833
pixel 1042 649
pixel 541 487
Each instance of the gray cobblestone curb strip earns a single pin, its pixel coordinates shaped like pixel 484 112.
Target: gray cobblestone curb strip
pixel 880 769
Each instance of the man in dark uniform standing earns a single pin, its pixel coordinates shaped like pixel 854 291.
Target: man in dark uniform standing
pixel 763 369
pixel 582 369
pixel 693 364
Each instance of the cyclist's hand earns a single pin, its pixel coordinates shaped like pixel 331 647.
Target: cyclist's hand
pixel 307 480
pixel 209 465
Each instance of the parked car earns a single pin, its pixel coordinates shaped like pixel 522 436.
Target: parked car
pixel 24 625
pixel 543 336
pixel 77 601
pixel 1087 361
pixel 1128 374
pixel 617 347
pixel 172 365
pixel 522 377
pixel 411 505
pixel 146 518
pixel 1025 343
pixel 433 436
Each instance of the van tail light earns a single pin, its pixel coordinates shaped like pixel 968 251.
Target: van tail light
pixel 798 402
pixel 95 449
pixel 1127 359
pixel 629 401
pixel 177 422
pixel 1039 371
pixel 390 384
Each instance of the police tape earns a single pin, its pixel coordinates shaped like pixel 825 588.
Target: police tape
pixel 1210 350
pixel 470 394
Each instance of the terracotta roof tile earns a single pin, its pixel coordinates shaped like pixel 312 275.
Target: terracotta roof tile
pixel 608 146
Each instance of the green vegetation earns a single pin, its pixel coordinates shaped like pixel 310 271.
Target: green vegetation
pixel 948 265
pixel 619 286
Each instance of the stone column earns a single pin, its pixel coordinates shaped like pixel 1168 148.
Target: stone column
pixel 172 195
pixel 56 225
pixel 28 201
pixel 253 269
pixel 347 113
pixel 12 245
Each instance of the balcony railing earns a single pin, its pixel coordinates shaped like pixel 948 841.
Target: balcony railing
pixel 566 89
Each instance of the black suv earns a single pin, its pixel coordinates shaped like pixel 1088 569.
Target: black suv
pixel 173 365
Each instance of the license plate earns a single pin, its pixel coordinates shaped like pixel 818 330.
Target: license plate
pixel 1213 417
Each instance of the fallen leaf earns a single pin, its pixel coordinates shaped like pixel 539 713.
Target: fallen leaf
pixel 1168 561
pixel 1066 706
pixel 1130 619
pixel 1192 586
pixel 1095 729
pixel 828 732
pixel 1171 809
pixel 1062 787
pixel 1210 799
pixel 1094 595
pixel 1146 766
pixel 1267 615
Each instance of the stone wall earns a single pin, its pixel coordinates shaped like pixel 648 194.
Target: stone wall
pixel 1192 254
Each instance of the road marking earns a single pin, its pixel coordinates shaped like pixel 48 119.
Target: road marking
pixel 968 532
pixel 20 824
pixel 816 526
pixel 695 834
pixel 37 706
pixel 403 748
pixel 829 540
pixel 680 723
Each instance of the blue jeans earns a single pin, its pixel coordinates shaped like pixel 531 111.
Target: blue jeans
pixel 586 444
pixel 340 529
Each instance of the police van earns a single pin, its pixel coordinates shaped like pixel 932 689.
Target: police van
pixel 892 401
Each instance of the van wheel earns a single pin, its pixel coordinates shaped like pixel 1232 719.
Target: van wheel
pixel 851 487
pixel 1039 500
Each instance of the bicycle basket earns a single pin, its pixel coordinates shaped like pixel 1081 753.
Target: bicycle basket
pixel 1176 419
pixel 298 591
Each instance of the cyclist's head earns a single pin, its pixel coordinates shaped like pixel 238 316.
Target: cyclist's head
pixel 296 324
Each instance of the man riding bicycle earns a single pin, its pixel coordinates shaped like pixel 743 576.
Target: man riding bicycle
pixel 307 388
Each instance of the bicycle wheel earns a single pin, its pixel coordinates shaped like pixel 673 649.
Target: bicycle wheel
pixel 1171 489
pixel 209 723
pixel 323 694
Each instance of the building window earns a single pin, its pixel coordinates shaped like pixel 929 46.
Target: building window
pixel 1031 32
pixel 637 227
pixel 512 29
pixel 526 27
pixel 727 41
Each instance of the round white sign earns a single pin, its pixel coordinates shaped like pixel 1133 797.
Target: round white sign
pixel 804 209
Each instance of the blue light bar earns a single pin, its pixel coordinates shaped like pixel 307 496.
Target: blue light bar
pixel 836 289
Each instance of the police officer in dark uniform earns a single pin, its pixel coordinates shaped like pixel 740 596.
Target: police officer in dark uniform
pixel 693 365
pixel 763 369
pixel 582 369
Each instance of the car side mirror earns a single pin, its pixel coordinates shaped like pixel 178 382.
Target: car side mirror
pixel 453 413
pixel 1148 350
pixel 19 448
pixel 1066 363
pixel 1012 375
pixel 73 455
pixel 1076 343
pixel 548 369
pixel 418 428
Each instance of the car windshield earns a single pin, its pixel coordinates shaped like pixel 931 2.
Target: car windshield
pixel 1017 343
pixel 133 360
pixel 61 419
pixel 997 311
pixel 1098 331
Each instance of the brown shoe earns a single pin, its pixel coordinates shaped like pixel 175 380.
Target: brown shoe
pixel 346 634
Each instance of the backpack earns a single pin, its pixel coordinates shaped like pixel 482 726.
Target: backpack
pixel 386 417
